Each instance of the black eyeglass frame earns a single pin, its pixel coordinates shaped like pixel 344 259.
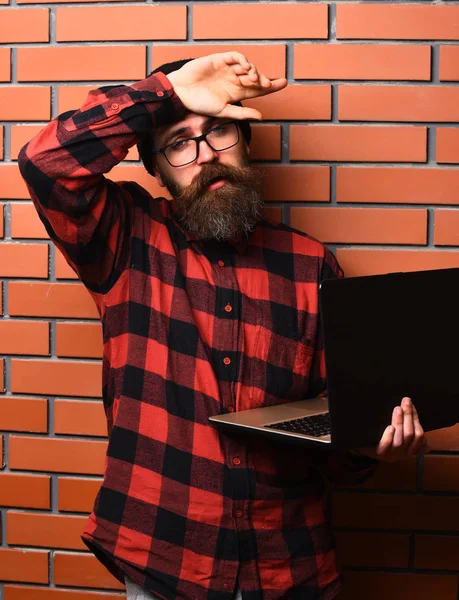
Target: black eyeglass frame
pixel 197 140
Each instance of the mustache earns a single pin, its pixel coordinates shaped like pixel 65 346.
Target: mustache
pixel 211 173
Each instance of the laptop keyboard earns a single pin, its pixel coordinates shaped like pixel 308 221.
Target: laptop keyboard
pixel 315 425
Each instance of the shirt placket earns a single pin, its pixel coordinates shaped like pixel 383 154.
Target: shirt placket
pixel 228 303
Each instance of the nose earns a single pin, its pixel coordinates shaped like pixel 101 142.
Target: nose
pixel 205 153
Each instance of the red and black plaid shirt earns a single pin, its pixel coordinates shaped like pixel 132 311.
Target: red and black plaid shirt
pixel 191 329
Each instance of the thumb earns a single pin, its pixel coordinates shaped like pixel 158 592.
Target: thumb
pixel 240 113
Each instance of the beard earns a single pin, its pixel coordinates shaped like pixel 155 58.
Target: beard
pixel 227 213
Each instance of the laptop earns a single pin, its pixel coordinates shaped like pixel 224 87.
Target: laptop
pixel 385 337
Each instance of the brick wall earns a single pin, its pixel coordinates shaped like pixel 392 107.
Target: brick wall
pixel 361 151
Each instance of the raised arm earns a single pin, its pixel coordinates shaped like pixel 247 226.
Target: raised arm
pixel 89 217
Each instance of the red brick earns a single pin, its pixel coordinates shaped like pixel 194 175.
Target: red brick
pixel 20 135
pixel 397 185
pixel 24 25
pixel 62 1
pixel 259 21
pixel 364 549
pixel 13 186
pixel 398 103
pixel 79 417
pixel 57 455
pixel 361 61
pixel 447 145
pixel 24 337
pixel 358 143
pixel 266 142
pixel 25 491
pixel 62 269
pixel 132 154
pixel 56 377
pixel 82 570
pixel 449 67
pixel 74 63
pixel 47 531
pixel 23 260
pixel 396 511
pixel 296 182
pixel 396 22
pixel 77 494
pixel 362 226
pixel 79 340
pixel 446 232
pixel 16 592
pixel 440 473
pixel 25 103
pixel 436 552
pixel 24 414
pixel 373 262
pixel 25 566
pixel 5 59
pixel 359 585
pixel 25 222
pixel 304 102
pixel 444 439
pixel 269 58
pixel 40 299
pixel 393 476
pixel 71 97
pixel 107 23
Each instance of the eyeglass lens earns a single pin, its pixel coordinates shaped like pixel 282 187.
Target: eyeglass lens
pixel 219 138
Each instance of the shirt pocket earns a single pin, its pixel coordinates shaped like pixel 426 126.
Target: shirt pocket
pixel 281 371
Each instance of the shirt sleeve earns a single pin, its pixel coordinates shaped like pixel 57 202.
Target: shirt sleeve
pixel 88 216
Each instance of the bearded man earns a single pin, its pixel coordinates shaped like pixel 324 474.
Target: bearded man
pixel 206 308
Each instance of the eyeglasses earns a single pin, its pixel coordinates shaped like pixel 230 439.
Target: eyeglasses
pixel 184 152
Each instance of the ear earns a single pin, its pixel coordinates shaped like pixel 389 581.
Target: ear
pixel 157 175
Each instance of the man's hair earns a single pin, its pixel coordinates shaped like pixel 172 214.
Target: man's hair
pixel 146 145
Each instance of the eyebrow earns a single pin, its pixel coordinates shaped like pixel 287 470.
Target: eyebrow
pixel 182 130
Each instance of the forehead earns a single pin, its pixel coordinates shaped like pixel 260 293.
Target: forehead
pixel 192 121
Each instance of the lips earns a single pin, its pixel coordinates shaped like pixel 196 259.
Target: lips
pixel 217 183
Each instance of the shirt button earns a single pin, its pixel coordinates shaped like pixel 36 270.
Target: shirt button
pixel 160 94
pixel 226 360
pixel 239 514
pixel 228 308
pixel 221 263
pixel 236 461
pixel 115 106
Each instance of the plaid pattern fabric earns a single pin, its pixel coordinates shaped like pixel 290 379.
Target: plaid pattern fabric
pixel 191 329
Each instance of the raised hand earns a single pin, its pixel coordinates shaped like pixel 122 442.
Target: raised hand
pixel 211 84
pixel 403 438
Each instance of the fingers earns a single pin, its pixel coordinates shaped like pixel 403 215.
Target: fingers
pixel 232 58
pixel 419 444
pixel 386 441
pixel 408 425
pixel 240 112
pixel 397 424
